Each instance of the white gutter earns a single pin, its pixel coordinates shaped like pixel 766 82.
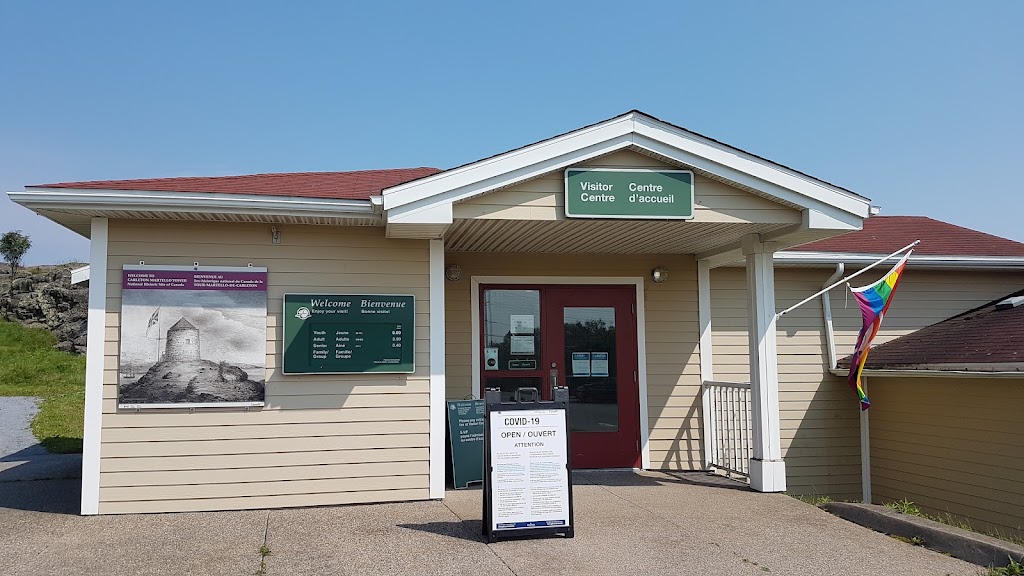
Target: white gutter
pixel 78 199
pixel 794 258
pixel 79 275
pixel 931 373
pixel 377 202
pixel 826 309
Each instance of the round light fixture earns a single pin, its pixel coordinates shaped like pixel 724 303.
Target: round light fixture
pixel 659 274
pixel 453 272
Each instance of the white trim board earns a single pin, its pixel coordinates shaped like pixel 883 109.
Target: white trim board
pixel 438 395
pixel 93 429
pixel 74 199
pixel 707 365
pixel 803 258
pixel 641 334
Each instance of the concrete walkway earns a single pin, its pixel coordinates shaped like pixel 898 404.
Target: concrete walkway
pixel 626 523
pixel 22 457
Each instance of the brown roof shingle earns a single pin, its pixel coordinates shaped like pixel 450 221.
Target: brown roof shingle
pixel 884 234
pixel 980 337
pixel 360 185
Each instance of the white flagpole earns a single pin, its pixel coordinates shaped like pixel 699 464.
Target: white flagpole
pixel 847 279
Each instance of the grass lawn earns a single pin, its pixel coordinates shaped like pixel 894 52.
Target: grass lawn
pixel 30 366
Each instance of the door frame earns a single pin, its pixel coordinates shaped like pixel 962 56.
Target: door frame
pixel 641 334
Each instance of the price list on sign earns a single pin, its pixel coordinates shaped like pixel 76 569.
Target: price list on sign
pixel 343 334
pixel 340 343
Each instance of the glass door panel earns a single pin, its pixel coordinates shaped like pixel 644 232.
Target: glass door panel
pixel 590 362
pixel 511 355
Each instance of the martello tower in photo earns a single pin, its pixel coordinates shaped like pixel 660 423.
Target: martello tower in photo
pixel 182 342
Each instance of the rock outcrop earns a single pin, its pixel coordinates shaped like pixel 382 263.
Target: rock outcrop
pixel 191 381
pixel 43 297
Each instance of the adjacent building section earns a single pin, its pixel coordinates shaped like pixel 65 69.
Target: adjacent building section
pixel 945 412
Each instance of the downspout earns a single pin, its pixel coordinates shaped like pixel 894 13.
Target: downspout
pixel 826 309
pixel 865 430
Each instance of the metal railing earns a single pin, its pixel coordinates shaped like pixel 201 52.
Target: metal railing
pixel 729 443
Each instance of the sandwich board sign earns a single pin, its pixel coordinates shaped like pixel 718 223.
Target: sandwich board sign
pixel 527 475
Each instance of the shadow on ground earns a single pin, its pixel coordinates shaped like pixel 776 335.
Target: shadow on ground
pixel 627 478
pixel 470 529
pixel 52 496
pixel 462 530
pixel 32 479
pixel 35 463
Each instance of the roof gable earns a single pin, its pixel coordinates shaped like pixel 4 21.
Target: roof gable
pixel 429 200
pixel 543 198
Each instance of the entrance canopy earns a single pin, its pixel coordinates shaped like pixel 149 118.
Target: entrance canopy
pixel 515 202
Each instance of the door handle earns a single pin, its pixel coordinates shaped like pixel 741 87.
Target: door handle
pixel 554 382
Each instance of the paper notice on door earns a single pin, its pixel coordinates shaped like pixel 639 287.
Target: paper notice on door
pixel 490 358
pixel 598 363
pixel 580 364
pixel 521 323
pixel 522 345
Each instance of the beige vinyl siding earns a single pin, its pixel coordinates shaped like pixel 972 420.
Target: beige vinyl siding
pixel 544 198
pixel 321 439
pixel 951 445
pixel 818 412
pixel 673 361
pixel 922 298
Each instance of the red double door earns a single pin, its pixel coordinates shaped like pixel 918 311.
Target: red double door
pixel 583 337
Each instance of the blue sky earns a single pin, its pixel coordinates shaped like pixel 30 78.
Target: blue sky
pixel 916 105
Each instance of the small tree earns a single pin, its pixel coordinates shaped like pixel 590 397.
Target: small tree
pixel 13 246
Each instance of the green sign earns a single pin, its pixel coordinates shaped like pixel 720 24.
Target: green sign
pixel 348 333
pixel 466 437
pixel 628 193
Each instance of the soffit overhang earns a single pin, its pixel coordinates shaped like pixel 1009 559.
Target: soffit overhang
pixel 74 208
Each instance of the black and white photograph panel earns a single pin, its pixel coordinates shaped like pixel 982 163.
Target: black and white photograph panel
pixel 184 347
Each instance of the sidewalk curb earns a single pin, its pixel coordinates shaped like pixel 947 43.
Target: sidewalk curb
pixel 970 546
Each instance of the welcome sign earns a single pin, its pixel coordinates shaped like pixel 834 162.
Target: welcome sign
pixel 349 333
pixel 628 193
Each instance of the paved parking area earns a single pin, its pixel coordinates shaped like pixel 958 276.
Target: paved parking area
pixel 626 523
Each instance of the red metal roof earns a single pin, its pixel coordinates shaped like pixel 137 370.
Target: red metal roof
pixel 885 234
pixel 337 185
pixel 974 340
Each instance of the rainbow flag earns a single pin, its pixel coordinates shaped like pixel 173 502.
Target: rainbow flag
pixel 874 300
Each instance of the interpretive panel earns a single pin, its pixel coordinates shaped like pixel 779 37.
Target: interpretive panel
pixel 349 333
pixel 466 437
pixel 529 475
pixel 192 336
